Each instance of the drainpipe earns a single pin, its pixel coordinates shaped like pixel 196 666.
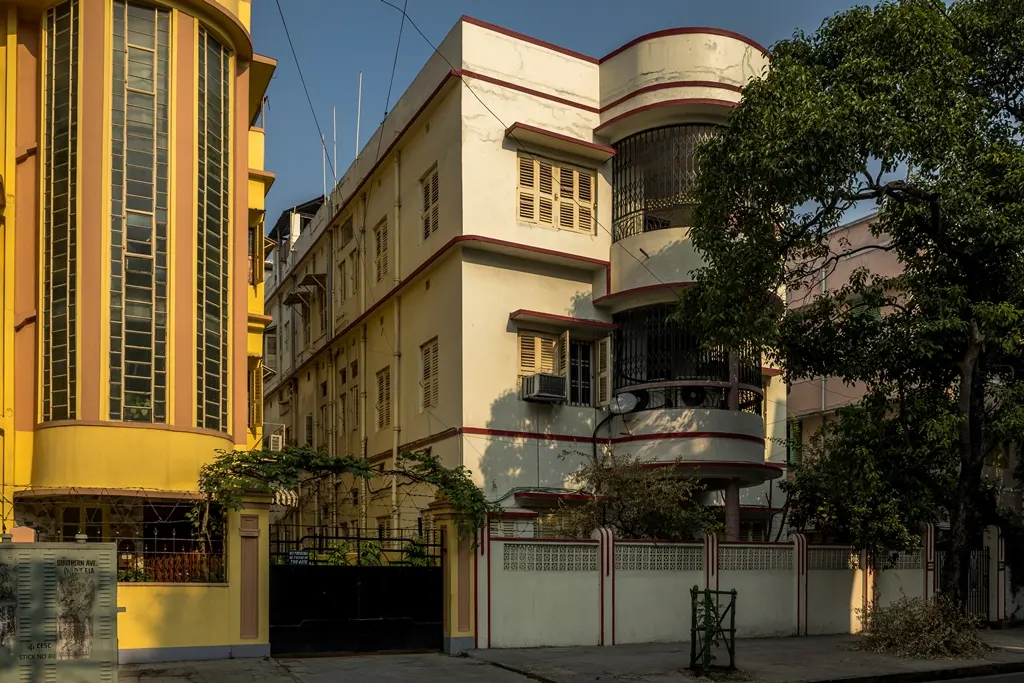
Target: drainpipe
pixel 822 287
pixel 361 273
pixel 396 369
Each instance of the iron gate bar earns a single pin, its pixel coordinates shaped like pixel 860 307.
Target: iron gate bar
pixel 320 606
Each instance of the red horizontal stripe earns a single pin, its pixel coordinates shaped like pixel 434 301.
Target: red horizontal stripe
pixel 670 84
pixel 665 103
pixel 482 431
pixel 543 540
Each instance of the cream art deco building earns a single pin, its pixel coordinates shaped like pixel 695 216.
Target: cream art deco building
pixel 131 329
pixel 504 271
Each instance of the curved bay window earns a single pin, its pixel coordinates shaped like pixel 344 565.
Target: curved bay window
pixel 653 173
pixel 663 360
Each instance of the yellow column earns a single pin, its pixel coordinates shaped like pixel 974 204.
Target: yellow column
pixel 459 579
pixel 8 104
pixel 248 537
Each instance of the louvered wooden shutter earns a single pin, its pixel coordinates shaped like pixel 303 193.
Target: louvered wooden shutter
pixel 545 193
pixel 537 354
pixel 566 198
pixel 431 195
pixel 526 200
pixel 430 374
pixel 604 371
pixel 563 360
pixel 547 355
pixel 381 249
pixel 527 354
pixel 585 196
pixel 384 398
pixel 435 385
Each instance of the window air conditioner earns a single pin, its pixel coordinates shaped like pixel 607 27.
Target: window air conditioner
pixel 543 388
pixel 276 442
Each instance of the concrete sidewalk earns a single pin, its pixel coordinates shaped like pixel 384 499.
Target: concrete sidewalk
pixel 421 668
pixel 763 660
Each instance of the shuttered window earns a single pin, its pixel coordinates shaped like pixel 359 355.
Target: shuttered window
pixel 380 250
pixel 604 371
pixel 256 396
pixel 430 382
pixel 431 213
pixel 557 195
pixel 537 353
pixel 309 429
pixel 384 398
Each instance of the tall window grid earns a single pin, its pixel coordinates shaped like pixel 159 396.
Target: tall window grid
pixel 138 221
pixel 212 244
pixel 60 213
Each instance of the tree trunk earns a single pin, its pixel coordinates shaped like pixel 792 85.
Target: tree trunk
pixel 962 532
pixel 963 515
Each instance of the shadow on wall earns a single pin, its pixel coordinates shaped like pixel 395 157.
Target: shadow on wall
pixel 509 462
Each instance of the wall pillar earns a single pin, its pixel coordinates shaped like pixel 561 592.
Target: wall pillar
pixel 732 511
pixel 996 546
pixel 248 539
pixel 931 570
pixel 800 577
pixel 606 565
pixel 710 561
pixel 459 580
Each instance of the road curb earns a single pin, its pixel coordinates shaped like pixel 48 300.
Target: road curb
pixel 950 674
pixel 522 672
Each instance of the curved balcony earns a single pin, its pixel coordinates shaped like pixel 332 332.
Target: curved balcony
pixel 675 75
pixel 704 406
pixel 115 456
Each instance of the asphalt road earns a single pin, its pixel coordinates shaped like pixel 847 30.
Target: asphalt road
pixel 1002 678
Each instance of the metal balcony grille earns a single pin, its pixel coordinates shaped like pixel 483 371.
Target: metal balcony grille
pixel 652 178
pixel 650 348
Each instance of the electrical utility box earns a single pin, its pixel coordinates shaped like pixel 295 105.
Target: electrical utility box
pixel 58 613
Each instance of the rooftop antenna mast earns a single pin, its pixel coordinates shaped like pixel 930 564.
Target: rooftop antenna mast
pixel 323 161
pixel 334 122
pixel 359 111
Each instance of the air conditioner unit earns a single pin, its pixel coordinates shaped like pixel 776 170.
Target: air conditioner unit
pixel 276 442
pixel 543 388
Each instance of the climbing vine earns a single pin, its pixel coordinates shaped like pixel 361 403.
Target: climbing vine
pixel 234 473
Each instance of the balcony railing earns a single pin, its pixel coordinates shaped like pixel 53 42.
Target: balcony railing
pixel 653 174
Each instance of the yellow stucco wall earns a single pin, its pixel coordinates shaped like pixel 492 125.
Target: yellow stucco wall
pixel 172 615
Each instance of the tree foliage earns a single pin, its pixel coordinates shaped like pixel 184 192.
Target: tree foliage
pixel 636 501
pixel 233 474
pixel 919 109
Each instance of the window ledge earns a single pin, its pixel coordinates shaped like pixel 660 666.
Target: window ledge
pixel 561 321
pixel 548 139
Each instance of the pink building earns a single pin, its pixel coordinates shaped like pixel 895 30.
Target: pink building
pixel 810 401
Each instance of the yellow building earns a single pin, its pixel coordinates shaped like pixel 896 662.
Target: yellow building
pixel 132 320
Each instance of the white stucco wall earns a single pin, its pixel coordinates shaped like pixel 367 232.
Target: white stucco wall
pixel 652 595
pixel 546 608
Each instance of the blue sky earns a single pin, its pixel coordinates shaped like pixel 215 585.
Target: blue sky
pixel 336 39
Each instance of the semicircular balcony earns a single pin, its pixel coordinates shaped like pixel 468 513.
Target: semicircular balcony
pixel 697 405
pixel 653 178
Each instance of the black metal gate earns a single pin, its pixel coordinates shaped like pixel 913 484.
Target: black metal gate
pixel 347 594
pixel 977 582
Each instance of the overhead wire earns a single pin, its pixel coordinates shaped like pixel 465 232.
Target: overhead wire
pixel 302 80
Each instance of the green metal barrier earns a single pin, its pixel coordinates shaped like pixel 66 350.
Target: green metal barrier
pixel 710 612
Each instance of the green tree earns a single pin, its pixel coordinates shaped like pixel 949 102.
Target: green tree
pixel 919 108
pixel 636 501
pixel 232 474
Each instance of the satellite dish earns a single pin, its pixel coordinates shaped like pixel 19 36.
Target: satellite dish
pixel 623 403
